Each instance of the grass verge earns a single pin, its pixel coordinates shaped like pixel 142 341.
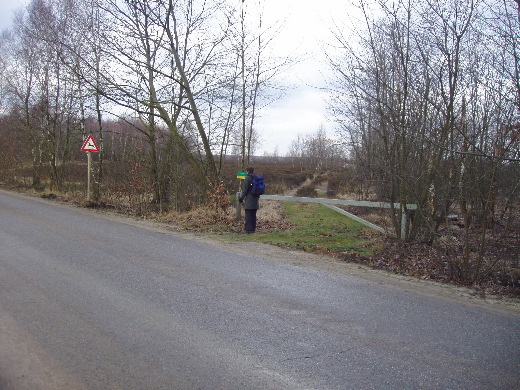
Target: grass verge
pixel 315 228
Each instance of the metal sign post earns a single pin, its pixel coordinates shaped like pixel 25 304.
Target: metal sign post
pixel 89 146
pixel 89 170
pixel 240 175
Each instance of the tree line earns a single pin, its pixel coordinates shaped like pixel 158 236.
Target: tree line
pixel 428 101
pixel 181 81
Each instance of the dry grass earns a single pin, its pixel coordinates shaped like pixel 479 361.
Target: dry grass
pixel 271 217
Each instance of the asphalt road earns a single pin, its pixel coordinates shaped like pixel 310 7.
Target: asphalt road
pixel 87 302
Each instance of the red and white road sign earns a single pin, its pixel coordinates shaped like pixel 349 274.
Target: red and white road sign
pixel 90 145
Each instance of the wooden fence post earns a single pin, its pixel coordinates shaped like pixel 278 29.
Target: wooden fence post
pixel 238 206
pixel 404 225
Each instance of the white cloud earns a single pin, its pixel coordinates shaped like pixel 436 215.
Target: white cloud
pixel 303 110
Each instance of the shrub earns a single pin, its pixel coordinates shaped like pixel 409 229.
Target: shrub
pixel 307 191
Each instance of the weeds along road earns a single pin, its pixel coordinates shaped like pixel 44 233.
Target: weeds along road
pixel 87 302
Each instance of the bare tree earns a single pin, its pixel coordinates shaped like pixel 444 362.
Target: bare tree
pixel 21 65
pixel 162 64
pixel 257 70
pixel 316 151
pixel 427 96
pixel 40 87
pixel 380 78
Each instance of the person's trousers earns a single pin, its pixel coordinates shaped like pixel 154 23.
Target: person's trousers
pixel 250 220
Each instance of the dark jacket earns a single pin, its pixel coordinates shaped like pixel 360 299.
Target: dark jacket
pixel 251 201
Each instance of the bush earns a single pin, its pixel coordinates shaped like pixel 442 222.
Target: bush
pixel 307 191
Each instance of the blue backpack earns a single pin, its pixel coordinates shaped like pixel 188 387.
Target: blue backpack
pixel 258 186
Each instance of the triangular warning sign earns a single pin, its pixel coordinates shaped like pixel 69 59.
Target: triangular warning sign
pixel 90 145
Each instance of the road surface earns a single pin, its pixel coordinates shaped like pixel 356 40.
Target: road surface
pixel 88 302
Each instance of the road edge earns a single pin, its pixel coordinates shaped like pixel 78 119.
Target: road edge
pixel 446 291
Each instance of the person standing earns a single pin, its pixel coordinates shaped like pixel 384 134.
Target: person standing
pixel 251 204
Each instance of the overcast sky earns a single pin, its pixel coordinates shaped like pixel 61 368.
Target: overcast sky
pixel 7 8
pixel 306 32
pixel 303 110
